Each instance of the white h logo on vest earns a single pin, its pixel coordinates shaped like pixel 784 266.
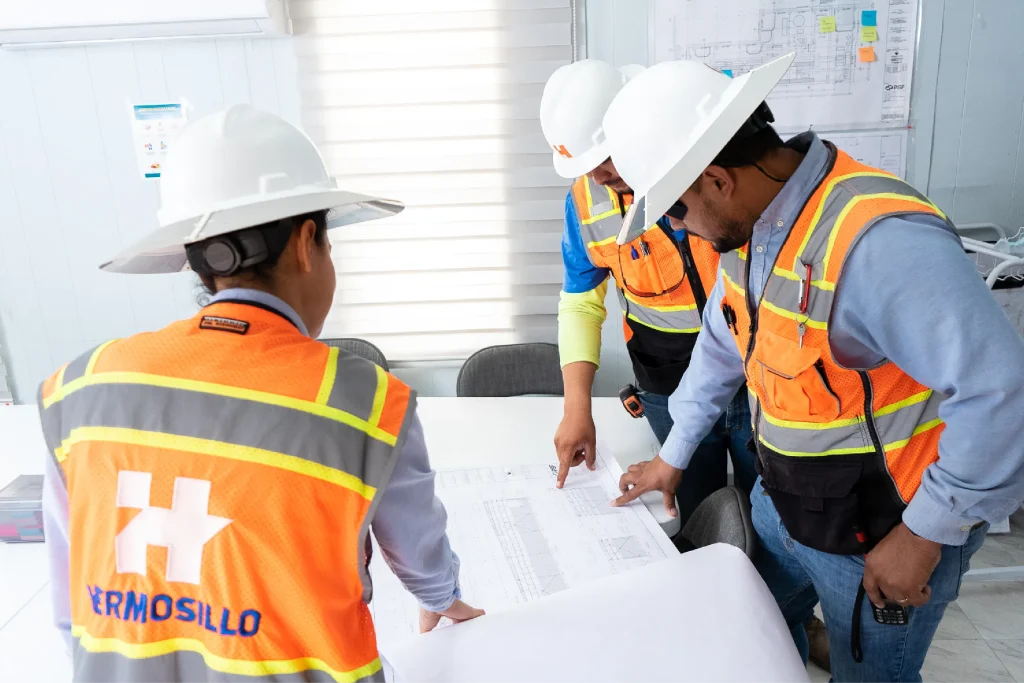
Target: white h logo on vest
pixel 184 529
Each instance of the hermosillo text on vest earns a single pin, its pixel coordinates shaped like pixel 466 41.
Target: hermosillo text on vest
pixel 184 460
pixel 654 276
pixel 839 448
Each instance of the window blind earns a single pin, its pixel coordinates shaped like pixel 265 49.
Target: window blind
pixel 436 104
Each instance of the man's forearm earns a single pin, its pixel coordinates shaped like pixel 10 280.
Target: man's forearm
pixel 579 383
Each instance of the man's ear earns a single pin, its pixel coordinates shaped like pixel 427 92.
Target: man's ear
pixel 719 180
pixel 305 246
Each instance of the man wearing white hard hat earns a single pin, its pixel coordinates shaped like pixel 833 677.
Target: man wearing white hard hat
pixel 662 278
pixel 885 382
pixel 212 485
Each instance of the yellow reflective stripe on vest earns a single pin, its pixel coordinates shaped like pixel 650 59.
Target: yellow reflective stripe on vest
pixel 662 309
pixel 824 200
pixel 729 281
pixel 216 662
pixel 614 211
pixel 601 243
pixel 922 428
pixel 330 373
pixel 379 397
pixel 837 226
pixel 687 330
pixel 909 401
pixel 790 275
pixel 220 449
pixel 325 411
pixel 816 324
pixel 96 356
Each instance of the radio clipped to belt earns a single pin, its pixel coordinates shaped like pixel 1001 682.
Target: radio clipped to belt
pixel 631 401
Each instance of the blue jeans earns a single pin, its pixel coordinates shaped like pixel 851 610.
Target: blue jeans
pixel 707 471
pixel 799 577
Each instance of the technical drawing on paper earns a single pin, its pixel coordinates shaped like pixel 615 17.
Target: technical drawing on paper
pixel 826 85
pixel 519 538
pixel 886 150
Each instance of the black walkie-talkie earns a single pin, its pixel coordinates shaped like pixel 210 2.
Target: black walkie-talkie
pixel 893 614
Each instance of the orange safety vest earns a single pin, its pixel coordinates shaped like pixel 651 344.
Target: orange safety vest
pixel 662 284
pixel 841 449
pixel 222 474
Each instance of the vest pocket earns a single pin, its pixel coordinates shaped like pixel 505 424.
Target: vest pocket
pixel 816 498
pixel 794 381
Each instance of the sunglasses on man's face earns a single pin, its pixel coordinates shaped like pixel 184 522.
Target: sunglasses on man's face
pixel 677 211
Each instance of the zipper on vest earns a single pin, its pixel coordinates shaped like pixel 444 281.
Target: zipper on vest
pixel 869 417
pixel 751 335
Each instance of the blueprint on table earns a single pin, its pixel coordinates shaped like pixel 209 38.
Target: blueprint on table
pixel 519 538
pixel 827 86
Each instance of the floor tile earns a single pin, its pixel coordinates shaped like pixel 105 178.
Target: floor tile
pixel 31 649
pixel 23 571
pixel 956 626
pixel 1011 654
pixel 999 550
pixel 996 609
pixel 953 661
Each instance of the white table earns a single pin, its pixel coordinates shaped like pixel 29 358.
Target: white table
pixel 465 432
pixel 459 433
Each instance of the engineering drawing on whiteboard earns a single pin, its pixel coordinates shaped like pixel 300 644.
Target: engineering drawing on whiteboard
pixel 829 84
pixel 886 149
pixel 519 538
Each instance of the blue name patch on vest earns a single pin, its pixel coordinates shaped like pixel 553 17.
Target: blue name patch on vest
pixel 143 608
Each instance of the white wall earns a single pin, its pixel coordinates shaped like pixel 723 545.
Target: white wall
pixel 71 194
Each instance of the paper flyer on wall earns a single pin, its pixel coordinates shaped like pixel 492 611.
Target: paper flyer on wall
pixel 154 127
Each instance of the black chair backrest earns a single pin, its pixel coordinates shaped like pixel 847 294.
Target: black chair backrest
pixel 723 517
pixel 361 348
pixel 512 370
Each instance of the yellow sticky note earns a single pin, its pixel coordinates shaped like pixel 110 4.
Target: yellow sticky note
pixel 868 34
pixel 866 54
pixel 826 24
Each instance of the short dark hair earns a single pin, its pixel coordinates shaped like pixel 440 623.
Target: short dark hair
pixel 279 229
pixel 746 151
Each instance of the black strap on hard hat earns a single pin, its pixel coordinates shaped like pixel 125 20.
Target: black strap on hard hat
pixel 756 122
pixel 225 255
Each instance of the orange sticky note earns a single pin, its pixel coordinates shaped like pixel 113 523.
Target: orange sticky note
pixel 866 54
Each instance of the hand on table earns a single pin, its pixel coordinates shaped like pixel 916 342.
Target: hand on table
pixel 650 475
pixel 899 567
pixel 459 611
pixel 575 442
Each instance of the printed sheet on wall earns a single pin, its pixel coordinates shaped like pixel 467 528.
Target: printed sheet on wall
pixel 854 58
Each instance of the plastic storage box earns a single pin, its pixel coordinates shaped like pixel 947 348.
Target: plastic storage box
pixel 21 510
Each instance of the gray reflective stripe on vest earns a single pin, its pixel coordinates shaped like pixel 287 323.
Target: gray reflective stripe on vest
pixel 355 384
pixel 181 665
pixel 785 294
pixel 606 229
pixel 850 436
pixel 220 418
pixel 671 321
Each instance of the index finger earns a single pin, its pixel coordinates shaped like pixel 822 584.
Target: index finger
pixel 563 472
pixel 629 496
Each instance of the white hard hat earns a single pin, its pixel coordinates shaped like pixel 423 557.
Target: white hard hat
pixel 669 123
pixel 571 108
pixel 235 169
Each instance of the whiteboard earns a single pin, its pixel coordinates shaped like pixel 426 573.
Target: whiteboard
pixel 827 86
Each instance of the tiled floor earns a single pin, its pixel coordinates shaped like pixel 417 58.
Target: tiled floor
pixel 981 637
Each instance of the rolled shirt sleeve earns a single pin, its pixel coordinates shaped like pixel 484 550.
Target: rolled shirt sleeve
pixel 410 527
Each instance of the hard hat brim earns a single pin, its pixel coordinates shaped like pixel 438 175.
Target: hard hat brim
pixel 744 95
pixel 163 251
pixel 580 164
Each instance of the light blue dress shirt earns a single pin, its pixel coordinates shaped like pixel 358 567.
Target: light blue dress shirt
pixel 908 294
pixel 410 522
